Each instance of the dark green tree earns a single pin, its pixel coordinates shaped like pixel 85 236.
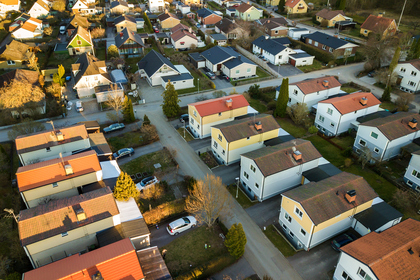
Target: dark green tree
pixel 254 91
pixel 394 61
pixel 282 99
pixel 236 241
pixel 386 96
pixel 281 5
pixel 146 120
pixel 125 188
pixel 170 104
pixel 342 5
pixel 128 112
pixel 147 22
pixel 414 51
pixel 337 4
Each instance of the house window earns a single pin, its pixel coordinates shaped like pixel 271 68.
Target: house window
pixel 309 41
pixel 409 183
pixel 246 175
pixel 287 217
pixel 303 232
pixel 345 276
pixel 376 150
pixel 248 138
pixel 364 275
pixel 415 173
pixel 324 47
pixel 253 168
pixel 295 92
pixel 220 114
pixel 256 185
pixel 316 44
pixel 275 32
pixel 362 142
pixel 284 226
pixel 418 188
pixel 79 42
pixel 220 137
pixel 48 149
pixel 248 70
pixel 332 124
pixel 64 234
pixel 182 43
pixel 411 83
pixel 374 135
pixel 331 50
pixel 329 111
pixel 290 100
pixel 298 212
pixel 55 185
pixel 192 121
pixel 223 152
pixel 413 73
pixel 291 233
pixel 238 71
pixel 402 69
pixel 365 31
pixel 11 62
pixel 195 113
pixel 215 144
pixel 321 118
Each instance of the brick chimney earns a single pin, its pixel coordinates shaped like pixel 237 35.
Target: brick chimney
pixel 325 83
pixel 258 126
pixel 297 155
pixel 412 123
pixel 351 196
pixel 229 103
pixel 363 101
pixel 121 34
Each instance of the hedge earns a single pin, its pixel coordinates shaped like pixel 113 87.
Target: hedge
pixel 319 54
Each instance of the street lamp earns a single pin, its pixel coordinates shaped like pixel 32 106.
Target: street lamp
pixel 198 85
pixel 237 186
pixel 183 121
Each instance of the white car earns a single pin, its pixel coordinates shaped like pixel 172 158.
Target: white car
pixel 69 106
pixel 79 107
pixel 62 29
pixel 181 225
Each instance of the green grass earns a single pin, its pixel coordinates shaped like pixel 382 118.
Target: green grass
pixel 316 65
pixel 187 252
pixel 349 89
pixel 328 151
pixel 132 62
pixel 188 136
pixel 169 51
pixel 343 142
pixel 257 105
pixel 145 163
pixel 294 130
pixel 64 59
pixel 204 85
pixel 100 53
pixel 131 139
pixel 242 199
pixel 387 105
pixel 278 241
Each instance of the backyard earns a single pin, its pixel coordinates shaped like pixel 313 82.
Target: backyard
pixel 134 139
pixel 145 163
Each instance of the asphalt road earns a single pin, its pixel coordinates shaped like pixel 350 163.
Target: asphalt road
pixel 141 151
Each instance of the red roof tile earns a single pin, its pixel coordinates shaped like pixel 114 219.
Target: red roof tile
pixel 243 7
pixel 314 85
pixel 115 261
pixel 351 103
pixel 377 23
pixel 218 105
pixel 291 3
pixel 387 253
pixel 52 171
pixel 178 35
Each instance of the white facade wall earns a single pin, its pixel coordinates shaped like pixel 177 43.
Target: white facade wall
pixel 296 34
pixel 394 146
pixel 92 81
pixel 362 230
pixel 310 99
pixel 187 40
pixel 351 267
pixel 156 5
pixel 294 227
pixel 242 70
pixel 180 84
pixel 212 67
pixel 235 155
pixel 156 79
pixel 206 128
pixel 23 34
pixel 328 232
pixel 413 165
pixel 279 58
pixel 410 77
pixel 7 8
pixel 304 61
pixel 37 11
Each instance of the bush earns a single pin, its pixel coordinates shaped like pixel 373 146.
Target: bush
pixel 271 105
pixel 266 98
pixel 312 129
pixel 347 162
pixel 163 211
pixel 212 85
pixel 347 152
pixel 254 91
pixel 189 182
pixel 98 32
pixel 319 54
pixel 314 20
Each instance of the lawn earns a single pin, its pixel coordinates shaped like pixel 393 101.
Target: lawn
pixel 328 151
pixel 188 253
pixel 316 65
pixel 187 134
pixel 132 63
pixel 61 59
pixel 204 82
pixel 387 105
pixel 343 141
pixel 278 241
pixel 242 199
pixel 167 196
pixel 169 51
pixel 100 53
pixel 257 105
pixel 131 139
pixel 145 163
pixel 209 159
pixel 349 89
pixel 294 130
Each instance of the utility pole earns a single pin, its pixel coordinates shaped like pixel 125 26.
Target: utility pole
pixel 402 11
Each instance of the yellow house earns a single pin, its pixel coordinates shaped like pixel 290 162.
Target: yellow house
pixel 192 2
pixel 64 227
pixel 329 17
pixel 379 25
pixel 313 213
pixel 16 55
pixel 205 114
pixel 296 7
pixel 57 178
pixel 168 20
pixel 230 140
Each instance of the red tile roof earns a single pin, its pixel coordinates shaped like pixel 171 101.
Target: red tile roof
pixel 329 14
pixel 243 7
pixel 377 23
pixel 292 3
pixel 52 171
pixel 314 85
pixel 218 105
pixel 44 139
pixel 351 103
pixel 180 26
pixel 325 199
pixel 387 253
pixel 58 216
pixel 115 261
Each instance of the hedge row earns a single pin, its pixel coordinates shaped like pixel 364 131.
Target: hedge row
pixel 319 54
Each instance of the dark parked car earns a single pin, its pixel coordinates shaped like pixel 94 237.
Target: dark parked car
pixel 225 77
pixel 372 74
pixel 211 75
pixel 184 118
pixel 342 240
pixel 114 127
pixel 124 152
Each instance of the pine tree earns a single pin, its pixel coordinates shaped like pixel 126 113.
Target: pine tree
pixel 128 111
pixel 414 51
pixel 282 99
pixel 236 240
pixel 386 96
pixel 394 60
pixel 337 4
pixel 146 120
pixel 170 104
pixel 341 5
pixel 147 22
pixel 125 188
pixel 281 5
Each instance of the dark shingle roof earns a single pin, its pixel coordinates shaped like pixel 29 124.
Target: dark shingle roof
pixel 175 78
pixel 327 40
pixel 219 54
pixel 325 199
pixel 271 46
pixel 26 76
pixel 205 12
pixel 226 25
pixel 165 16
pixel 277 21
pixel 124 18
pixel 118 3
pixel 153 61
pixel 234 62
pixel 126 34
pixel 218 36
pixel 282 40
pixel 378 215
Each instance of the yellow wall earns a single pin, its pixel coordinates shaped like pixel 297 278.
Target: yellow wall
pixel 4 65
pixel 130 26
pixel 225 115
pixel 253 139
pixel 393 27
pixel 295 9
pixel 331 22
pixel 169 23
pixel 289 205
pixel 191 110
pixel 215 132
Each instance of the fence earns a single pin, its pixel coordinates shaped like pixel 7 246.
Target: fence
pixel 253 81
pixel 257 60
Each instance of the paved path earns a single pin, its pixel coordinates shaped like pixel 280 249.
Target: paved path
pixel 239 270
pixel 141 151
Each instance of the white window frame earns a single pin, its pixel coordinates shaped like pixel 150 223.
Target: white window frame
pixel 246 175
pixel 376 150
pixel 316 44
pixel 303 232
pixel 298 212
pixel 409 183
pixel 321 118
pixel 253 169
pixel 363 145
pixel 287 217
pixel 402 69
pixel 215 144
pixel 310 41
pixel 415 173
pixel 220 137
pixel 330 111
pixel 366 276
pixel 372 135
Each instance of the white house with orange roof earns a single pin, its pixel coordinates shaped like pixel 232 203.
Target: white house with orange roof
pixel 409 75
pixel 335 115
pixel 84 8
pixel 39 8
pixel 28 30
pixel 205 114
pixel 49 144
pixel 58 178
pixel 8 6
pixel 296 7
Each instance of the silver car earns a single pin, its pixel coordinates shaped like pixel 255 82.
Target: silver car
pixel 181 225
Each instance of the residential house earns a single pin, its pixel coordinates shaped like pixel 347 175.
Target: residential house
pixel 153 265
pixel 205 114
pixel 16 55
pixel 312 91
pixel 208 17
pixel 76 21
pixel 117 258
pixel 296 7
pixel 183 8
pixel 232 139
pixel 139 23
pixel 49 144
pixel 158 70
pixel 230 29
pixel 216 56
pixel 271 170
pixel 409 75
pixel 65 227
pixel 84 8
pixel 122 22
pixel 391 254
pixel 192 2
pixel 239 67
pixel 218 39
pixel 156 6
pixel 80 42
pixel 20 20
pixel 8 6
pixel 129 42
pixel 412 173
pixel 335 115
pixel 119 7
pixel 315 212
pixel 39 9
pixel 329 18
pixel 182 37
pixel 247 12
pixel 274 27
pixel 301 58
pixel 337 47
pixel 28 29
pixel 58 178
pixel 384 137
pixel 272 50
pixel 296 33
pixel 168 20
pixel 378 25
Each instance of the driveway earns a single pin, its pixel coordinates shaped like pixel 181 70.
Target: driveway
pixel 200 144
pixel 368 80
pixel 239 270
pixel 285 70
pixel 266 212
pixel 141 151
pixel 219 82
pixel 148 93
pixel 160 237
pixel 90 106
pixel 228 173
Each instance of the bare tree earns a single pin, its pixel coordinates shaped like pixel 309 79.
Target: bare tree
pixel 383 76
pixel 404 100
pixel 365 156
pixel 378 50
pixel 59 5
pixel 27 126
pixel 402 199
pixel 115 101
pixel 299 113
pixel 98 32
pixel 208 199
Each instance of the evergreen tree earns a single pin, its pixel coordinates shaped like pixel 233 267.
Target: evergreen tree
pixel 147 22
pixel 128 112
pixel 282 99
pixel 146 120
pixel 414 51
pixel 337 4
pixel 125 188
pixel 341 4
pixel 386 96
pixel 394 60
pixel 236 240
pixel 281 5
pixel 170 104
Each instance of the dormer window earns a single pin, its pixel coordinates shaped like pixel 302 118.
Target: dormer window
pixel 81 215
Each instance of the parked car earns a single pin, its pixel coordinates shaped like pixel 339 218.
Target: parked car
pixel 225 77
pixel 211 75
pixel 198 25
pixel 69 105
pixel 62 29
pixel 181 225
pixel 156 29
pixel 184 118
pixel 79 107
pixel 114 127
pixel 342 240
pixel 372 73
pixel 148 182
pixel 123 153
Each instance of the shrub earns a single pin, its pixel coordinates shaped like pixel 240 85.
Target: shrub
pixel 347 162
pixel 254 91
pixel 98 32
pixel 271 105
pixel 146 120
pixel 212 85
pixel 189 182
pixel 312 129
pixel 266 98
pixel 347 152
pixel 163 211
pixel 319 54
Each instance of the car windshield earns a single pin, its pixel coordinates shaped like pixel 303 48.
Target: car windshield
pixel 122 151
pixel 186 220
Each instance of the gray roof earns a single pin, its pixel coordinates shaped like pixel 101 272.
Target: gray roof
pixel 282 40
pixel 196 56
pixel 271 46
pixel 124 18
pixel 232 63
pixel 379 114
pixel 301 55
pixel 175 78
pixel 162 35
pixel 326 39
pixel 219 54
pixel 377 216
pixel 218 36
pixel 203 13
pixel 127 34
pixel 315 174
pixel 153 61
pixel 117 3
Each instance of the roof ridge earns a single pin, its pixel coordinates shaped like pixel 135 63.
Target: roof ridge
pixel 389 254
